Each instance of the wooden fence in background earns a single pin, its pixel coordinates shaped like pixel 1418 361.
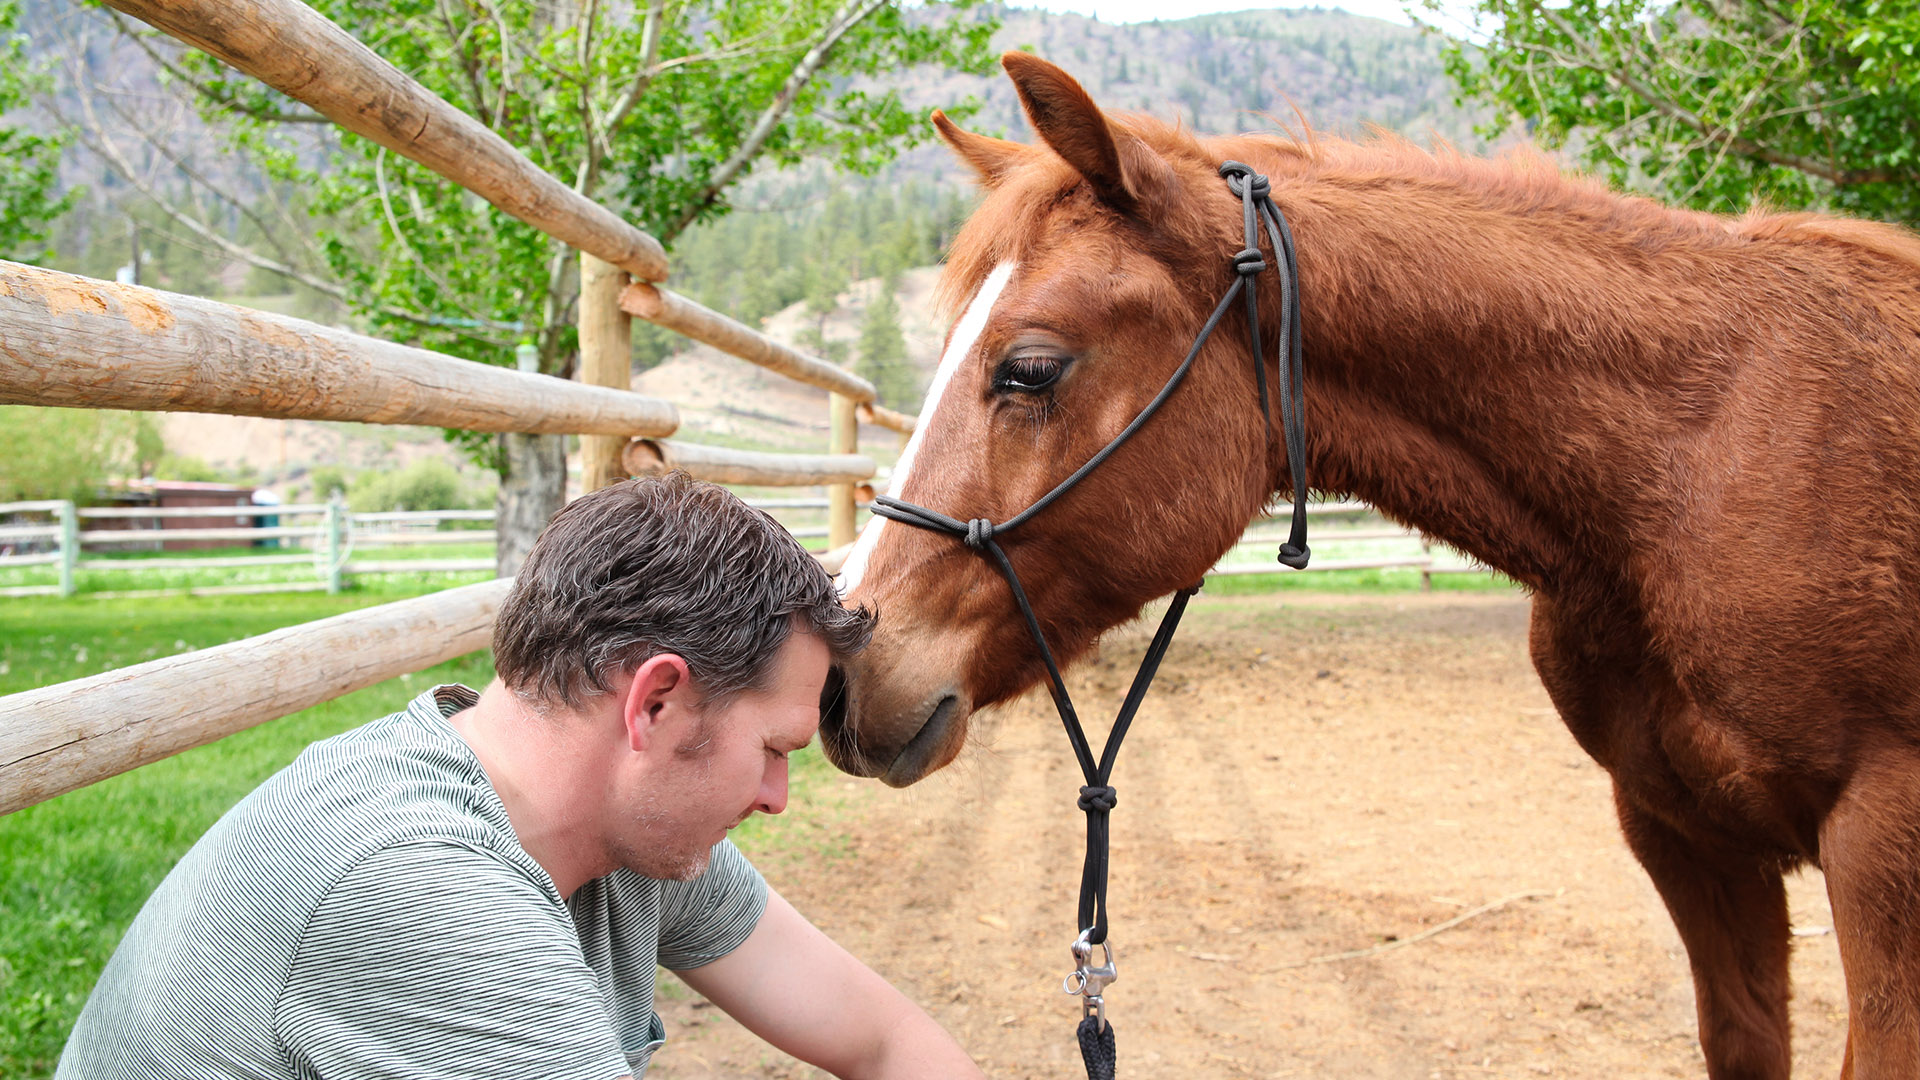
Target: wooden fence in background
pixel 73 341
pixel 1347 536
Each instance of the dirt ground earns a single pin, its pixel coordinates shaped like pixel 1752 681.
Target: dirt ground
pixel 1311 775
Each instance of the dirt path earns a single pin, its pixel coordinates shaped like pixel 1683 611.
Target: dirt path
pixel 1311 775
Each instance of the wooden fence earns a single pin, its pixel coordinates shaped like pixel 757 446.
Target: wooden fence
pixel 332 542
pixel 1346 536
pixel 73 341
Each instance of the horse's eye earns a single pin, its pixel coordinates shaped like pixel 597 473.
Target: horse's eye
pixel 1028 373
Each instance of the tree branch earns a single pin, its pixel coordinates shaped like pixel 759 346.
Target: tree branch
pixel 816 57
pixel 457 39
pixel 101 143
pixel 225 101
pixel 219 193
pixel 1745 147
pixel 651 31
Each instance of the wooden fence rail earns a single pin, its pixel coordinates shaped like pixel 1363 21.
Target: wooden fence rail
pixel 73 341
pixel 299 52
pixel 721 465
pixel 685 317
pixel 71 734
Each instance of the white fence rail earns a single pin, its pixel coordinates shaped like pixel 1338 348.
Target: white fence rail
pixel 336 543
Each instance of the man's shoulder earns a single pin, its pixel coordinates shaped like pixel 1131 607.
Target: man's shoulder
pixel 401 780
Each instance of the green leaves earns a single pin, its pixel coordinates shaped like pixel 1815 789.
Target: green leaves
pixel 28 162
pixel 1811 103
pixel 654 109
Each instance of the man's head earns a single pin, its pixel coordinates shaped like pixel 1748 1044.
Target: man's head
pixel 688 636
pixel 655 566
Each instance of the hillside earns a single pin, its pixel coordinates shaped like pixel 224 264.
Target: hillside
pixel 1266 70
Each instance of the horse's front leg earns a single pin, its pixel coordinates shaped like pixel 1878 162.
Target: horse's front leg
pixel 1870 853
pixel 1731 911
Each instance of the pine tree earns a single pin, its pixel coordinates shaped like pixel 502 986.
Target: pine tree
pixel 883 353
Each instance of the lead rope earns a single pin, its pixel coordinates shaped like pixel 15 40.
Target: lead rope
pixel 1097 796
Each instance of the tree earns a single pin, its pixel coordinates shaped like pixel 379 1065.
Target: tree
pixel 29 163
pixel 655 110
pixel 69 453
pixel 1714 103
pixel 883 351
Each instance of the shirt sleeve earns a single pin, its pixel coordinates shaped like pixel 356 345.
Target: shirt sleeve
pixel 437 960
pixel 705 919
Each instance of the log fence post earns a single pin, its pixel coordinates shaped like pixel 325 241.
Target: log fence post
pixel 334 542
pixel 69 546
pixel 606 359
pixel 843 438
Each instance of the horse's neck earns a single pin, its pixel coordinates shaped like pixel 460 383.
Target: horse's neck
pixel 1506 381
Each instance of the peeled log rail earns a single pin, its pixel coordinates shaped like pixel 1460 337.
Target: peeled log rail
pixel 685 317
pixel 881 416
pixel 74 341
pixel 297 51
pixel 650 457
pixel 72 734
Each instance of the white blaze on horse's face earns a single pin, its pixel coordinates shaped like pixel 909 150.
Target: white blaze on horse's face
pixel 965 333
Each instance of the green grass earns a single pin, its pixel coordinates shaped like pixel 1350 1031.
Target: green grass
pixel 75 870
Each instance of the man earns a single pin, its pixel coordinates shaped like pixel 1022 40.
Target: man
pixel 481 885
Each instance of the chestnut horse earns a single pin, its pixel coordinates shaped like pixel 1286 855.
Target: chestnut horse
pixel 1695 440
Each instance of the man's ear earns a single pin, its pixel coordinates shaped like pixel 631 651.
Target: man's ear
pixel 660 683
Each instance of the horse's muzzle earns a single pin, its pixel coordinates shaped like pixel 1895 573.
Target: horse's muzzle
pixel 897 746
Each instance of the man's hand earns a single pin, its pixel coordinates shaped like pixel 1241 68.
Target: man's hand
pixel 794 987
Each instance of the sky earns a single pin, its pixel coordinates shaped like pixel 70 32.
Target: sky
pixel 1125 11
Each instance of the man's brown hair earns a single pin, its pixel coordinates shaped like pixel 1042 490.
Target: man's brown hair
pixel 663 565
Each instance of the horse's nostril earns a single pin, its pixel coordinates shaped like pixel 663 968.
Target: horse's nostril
pixel 833 700
pixel 836 734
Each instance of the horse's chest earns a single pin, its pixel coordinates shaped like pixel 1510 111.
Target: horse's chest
pixel 1694 766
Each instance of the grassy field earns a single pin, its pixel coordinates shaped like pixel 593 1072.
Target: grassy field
pixel 75 870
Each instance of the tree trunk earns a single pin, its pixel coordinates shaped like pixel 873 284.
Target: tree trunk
pixel 533 487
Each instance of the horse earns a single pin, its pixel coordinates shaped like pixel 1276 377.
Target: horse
pixel 1693 439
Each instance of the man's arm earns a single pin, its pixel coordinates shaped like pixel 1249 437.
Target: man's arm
pixel 794 987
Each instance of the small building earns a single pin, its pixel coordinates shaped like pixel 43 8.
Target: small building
pixel 172 494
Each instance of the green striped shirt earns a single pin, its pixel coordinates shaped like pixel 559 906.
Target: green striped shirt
pixel 368 912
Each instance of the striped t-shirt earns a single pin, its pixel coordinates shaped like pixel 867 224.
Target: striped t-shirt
pixel 369 912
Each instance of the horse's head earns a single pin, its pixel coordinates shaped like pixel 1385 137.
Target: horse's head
pixel 1081 283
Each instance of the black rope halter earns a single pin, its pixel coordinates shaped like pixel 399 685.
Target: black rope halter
pixel 1097 796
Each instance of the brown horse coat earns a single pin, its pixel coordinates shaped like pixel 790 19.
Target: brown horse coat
pixel 1695 439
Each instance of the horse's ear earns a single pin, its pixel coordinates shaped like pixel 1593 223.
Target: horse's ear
pixel 990 157
pixel 1068 120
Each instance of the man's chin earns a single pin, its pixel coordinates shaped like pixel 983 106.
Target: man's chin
pixel 661 866
pixel 694 867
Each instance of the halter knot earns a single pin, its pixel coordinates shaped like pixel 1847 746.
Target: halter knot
pixel 979 533
pixel 1238 176
pixel 1249 262
pixel 1098 797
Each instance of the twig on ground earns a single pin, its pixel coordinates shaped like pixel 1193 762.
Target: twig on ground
pixel 1439 928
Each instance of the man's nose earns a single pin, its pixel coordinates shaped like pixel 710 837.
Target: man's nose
pixel 773 788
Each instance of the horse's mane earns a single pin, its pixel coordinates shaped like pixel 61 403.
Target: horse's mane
pixel 1520 180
